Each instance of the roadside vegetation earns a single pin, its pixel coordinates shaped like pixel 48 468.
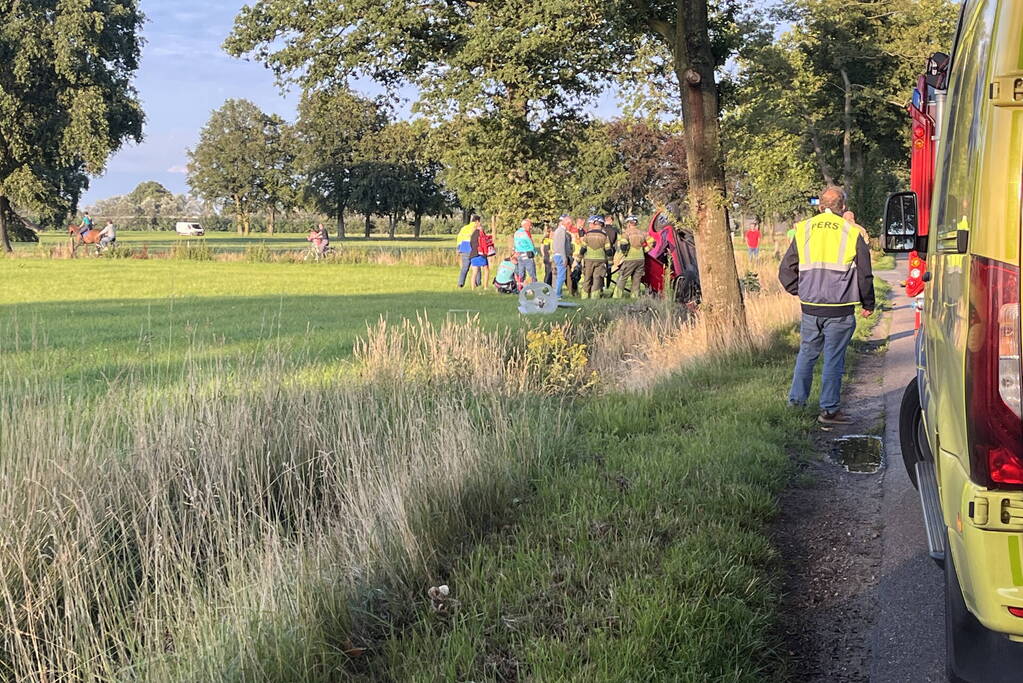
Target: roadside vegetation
pixel 205 498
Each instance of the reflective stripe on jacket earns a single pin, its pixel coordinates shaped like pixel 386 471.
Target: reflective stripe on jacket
pixel 827 261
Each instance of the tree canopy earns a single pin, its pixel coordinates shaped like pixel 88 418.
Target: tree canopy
pixel 332 127
pixel 825 103
pixel 237 161
pixel 66 99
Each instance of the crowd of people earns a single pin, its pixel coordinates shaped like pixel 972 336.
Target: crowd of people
pixel 583 256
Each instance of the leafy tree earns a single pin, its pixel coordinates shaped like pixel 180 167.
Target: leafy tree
pixel 699 40
pixel 499 165
pixel 278 183
pixel 825 103
pixel 235 158
pixel 66 99
pixel 332 124
pixel 513 76
pixel 411 183
pixel 149 189
pixel 654 159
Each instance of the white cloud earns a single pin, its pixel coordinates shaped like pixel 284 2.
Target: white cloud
pixel 178 169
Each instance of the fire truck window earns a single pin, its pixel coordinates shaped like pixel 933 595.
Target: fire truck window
pixel 965 121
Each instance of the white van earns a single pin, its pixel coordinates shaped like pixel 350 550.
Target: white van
pixel 190 229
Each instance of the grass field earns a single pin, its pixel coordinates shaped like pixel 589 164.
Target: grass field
pixel 92 319
pixel 233 472
pixel 229 241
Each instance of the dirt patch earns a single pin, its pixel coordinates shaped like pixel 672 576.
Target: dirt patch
pixel 829 537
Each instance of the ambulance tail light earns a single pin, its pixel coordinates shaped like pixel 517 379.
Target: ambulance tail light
pixel 993 371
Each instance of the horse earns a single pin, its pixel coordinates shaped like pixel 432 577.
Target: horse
pixel 78 240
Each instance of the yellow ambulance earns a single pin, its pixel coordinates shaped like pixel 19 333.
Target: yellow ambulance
pixel 962 424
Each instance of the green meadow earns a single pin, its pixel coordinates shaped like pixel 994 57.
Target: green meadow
pixel 91 318
pixel 232 241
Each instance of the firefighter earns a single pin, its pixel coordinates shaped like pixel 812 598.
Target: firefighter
pixel 828 267
pixel 633 245
pixel 612 235
pixel 595 251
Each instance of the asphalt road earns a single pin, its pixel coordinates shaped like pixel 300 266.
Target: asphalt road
pixel 908 642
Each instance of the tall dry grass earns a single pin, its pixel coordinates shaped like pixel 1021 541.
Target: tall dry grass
pixel 636 350
pixel 247 521
pixel 246 525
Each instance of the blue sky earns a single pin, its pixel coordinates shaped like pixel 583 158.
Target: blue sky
pixel 183 77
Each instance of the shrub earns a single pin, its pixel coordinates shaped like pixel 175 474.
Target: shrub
pixel 559 365
pixel 191 250
pixel 259 253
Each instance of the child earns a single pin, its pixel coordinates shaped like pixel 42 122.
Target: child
pixel 504 282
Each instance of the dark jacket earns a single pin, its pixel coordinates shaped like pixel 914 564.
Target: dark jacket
pixel 788 275
pixel 474 244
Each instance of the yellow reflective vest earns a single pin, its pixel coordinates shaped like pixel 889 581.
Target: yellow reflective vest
pixel 827 260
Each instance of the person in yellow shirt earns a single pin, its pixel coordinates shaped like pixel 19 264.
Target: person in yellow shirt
pixel 467 245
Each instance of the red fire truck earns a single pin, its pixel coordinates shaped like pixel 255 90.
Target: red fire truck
pixel 925 110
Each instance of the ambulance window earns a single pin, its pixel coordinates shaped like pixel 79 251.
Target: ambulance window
pixel 965 124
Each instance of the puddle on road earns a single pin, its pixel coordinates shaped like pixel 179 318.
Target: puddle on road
pixel 858 454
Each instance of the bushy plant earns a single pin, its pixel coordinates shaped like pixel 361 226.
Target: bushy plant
pixel 192 251
pixel 750 283
pixel 561 365
pixel 259 253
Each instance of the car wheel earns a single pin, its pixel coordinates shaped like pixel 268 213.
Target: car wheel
pixel 912 437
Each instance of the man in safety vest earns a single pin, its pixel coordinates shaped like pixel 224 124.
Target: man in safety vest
pixel 828 267
pixel 596 248
pixel 633 244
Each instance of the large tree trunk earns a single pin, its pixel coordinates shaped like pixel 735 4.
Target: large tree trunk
pixel 271 221
pixel 392 226
pixel 847 170
pixel 5 211
pixel 417 226
pixel 239 224
pixel 340 223
pixel 722 309
pixel 369 225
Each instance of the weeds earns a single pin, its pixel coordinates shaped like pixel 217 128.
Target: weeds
pixel 247 524
pixel 259 253
pixel 191 251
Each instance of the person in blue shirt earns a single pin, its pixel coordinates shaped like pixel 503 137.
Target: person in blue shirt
pixel 504 281
pixel 86 225
pixel 525 250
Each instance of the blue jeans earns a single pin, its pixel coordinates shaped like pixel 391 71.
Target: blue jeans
pixel 832 336
pixel 562 268
pixel 466 262
pixel 525 266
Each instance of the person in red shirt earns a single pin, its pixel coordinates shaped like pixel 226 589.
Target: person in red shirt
pixel 753 243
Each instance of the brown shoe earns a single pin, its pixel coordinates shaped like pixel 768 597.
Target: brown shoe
pixel 835 418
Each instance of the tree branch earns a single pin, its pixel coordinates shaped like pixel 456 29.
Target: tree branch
pixel 663 28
